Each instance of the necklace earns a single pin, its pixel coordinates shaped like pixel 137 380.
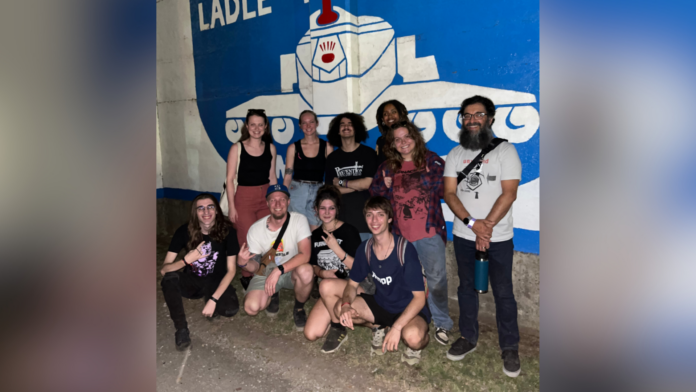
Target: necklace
pixel 391 239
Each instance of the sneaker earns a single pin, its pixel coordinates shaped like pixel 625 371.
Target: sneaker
pixel 300 318
pixel 182 339
pixel 459 349
pixel 511 363
pixel 377 340
pixel 334 339
pixel 411 357
pixel 442 336
pixel 272 309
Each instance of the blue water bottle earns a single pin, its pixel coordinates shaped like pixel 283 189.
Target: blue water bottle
pixel 481 272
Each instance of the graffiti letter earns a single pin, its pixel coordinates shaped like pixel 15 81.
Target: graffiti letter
pixel 247 15
pixel 263 11
pixel 202 25
pixel 450 124
pixel 217 14
pixel 231 18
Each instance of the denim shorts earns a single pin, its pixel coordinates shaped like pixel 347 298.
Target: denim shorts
pixel 302 197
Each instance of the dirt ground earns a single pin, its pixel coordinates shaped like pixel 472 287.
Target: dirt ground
pixel 259 353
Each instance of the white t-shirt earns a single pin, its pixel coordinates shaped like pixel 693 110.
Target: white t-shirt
pixel 260 239
pixel 479 191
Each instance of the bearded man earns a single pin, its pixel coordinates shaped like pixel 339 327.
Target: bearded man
pixel 482 205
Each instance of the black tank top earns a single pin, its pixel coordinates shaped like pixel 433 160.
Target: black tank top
pixel 253 171
pixel 310 169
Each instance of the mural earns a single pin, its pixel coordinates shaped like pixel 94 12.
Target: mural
pixel 332 57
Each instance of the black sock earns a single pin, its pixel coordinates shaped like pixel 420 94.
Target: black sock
pixel 298 304
pixel 337 325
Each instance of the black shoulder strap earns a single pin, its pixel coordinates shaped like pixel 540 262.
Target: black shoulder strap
pixel 282 231
pixel 490 147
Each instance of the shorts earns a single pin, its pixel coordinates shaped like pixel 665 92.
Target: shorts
pixel 302 196
pixel 383 318
pixel 259 282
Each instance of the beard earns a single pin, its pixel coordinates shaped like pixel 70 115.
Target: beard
pixel 279 216
pixel 478 140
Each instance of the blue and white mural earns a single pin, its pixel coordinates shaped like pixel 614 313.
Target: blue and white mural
pixel 286 56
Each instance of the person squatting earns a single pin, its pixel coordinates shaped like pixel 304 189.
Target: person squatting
pixel 365 225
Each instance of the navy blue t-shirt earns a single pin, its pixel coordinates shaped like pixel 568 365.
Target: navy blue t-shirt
pixel 395 283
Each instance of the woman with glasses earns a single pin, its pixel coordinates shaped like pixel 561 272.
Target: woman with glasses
pixel 411 179
pixel 304 168
pixel 388 113
pixel 257 157
pixel 206 270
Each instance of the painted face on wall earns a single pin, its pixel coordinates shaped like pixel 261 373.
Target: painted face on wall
pixel 377 221
pixel 327 211
pixel 347 128
pixel 390 115
pixel 403 143
pixel 476 121
pixel 308 124
pixel 256 126
pixel 205 208
pixel 278 204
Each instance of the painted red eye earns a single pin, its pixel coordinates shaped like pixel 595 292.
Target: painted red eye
pixel 327 58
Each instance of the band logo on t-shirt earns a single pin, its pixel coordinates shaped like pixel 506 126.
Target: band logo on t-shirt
pixel 280 251
pixel 349 171
pixel 205 265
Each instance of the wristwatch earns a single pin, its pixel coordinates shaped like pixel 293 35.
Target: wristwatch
pixel 340 182
pixel 469 221
pixel 282 269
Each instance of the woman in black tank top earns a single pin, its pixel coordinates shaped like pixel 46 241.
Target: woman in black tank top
pixel 256 156
pixel 305 164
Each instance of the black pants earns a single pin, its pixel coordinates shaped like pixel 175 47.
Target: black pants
pixel 178 284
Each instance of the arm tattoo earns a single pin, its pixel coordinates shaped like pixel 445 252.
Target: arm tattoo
pixel 289 171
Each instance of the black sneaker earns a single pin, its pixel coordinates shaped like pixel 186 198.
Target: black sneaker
pixel 334 339
pixel 511 363
pixel 459 349
pixel 300 319
pixel 182 339
pixel 272 309
pixel 244 280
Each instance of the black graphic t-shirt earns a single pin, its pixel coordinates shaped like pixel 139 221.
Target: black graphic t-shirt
pixel 347 237
pixel 360 163
pixel 215 264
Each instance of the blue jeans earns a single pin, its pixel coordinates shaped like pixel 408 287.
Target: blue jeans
pixel 500 276
pixel 431 252
pixel 302 198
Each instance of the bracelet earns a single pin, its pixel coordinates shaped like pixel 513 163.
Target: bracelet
pixel 471 223
pixel 345 183
pixel 282 269
pixel 184 260
pixel 345 303
pixel 344 257
pixel 213 298
pixel 242 266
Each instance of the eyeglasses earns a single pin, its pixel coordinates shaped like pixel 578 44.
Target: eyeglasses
pixel 478 115
pixel 203 208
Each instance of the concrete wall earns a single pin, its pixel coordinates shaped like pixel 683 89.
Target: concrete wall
pixel 217 58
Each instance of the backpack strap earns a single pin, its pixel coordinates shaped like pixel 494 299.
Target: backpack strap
pixel 368 250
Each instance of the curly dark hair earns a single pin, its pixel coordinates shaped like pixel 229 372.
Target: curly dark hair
pixel 403 114
pixel 328 192
pixel 487 103
pixel 394 159
pixel 220 228
pixel 334 135
pixel 267 137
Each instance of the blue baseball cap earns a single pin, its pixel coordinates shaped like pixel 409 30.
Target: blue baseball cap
pixel 277 188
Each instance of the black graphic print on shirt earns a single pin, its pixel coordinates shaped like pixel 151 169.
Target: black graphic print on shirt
pixel 410 196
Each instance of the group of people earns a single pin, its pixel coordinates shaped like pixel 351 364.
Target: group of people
pixel 365 224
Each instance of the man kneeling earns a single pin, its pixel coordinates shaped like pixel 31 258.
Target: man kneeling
pixel 399 301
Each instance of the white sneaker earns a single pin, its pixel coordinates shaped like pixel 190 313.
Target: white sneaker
pixel 377 340
pixel 411 357
pixel 442 336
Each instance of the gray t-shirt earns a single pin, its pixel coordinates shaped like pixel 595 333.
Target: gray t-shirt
pixel 479 191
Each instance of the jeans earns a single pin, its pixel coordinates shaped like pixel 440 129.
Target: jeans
pixel 431 252
pixel 179 284
pixel 500 276
pixel 302 196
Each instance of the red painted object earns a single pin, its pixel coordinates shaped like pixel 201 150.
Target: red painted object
pixel 327 15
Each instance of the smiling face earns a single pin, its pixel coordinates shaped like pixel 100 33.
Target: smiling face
pixel 346 129
pixel 278 204
pixel 390 115
pixel 378 221
pixel 308 124
pixel 475 123
pixel 205 209
pixel 327 211
pixel 256 126
pixel 404 143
